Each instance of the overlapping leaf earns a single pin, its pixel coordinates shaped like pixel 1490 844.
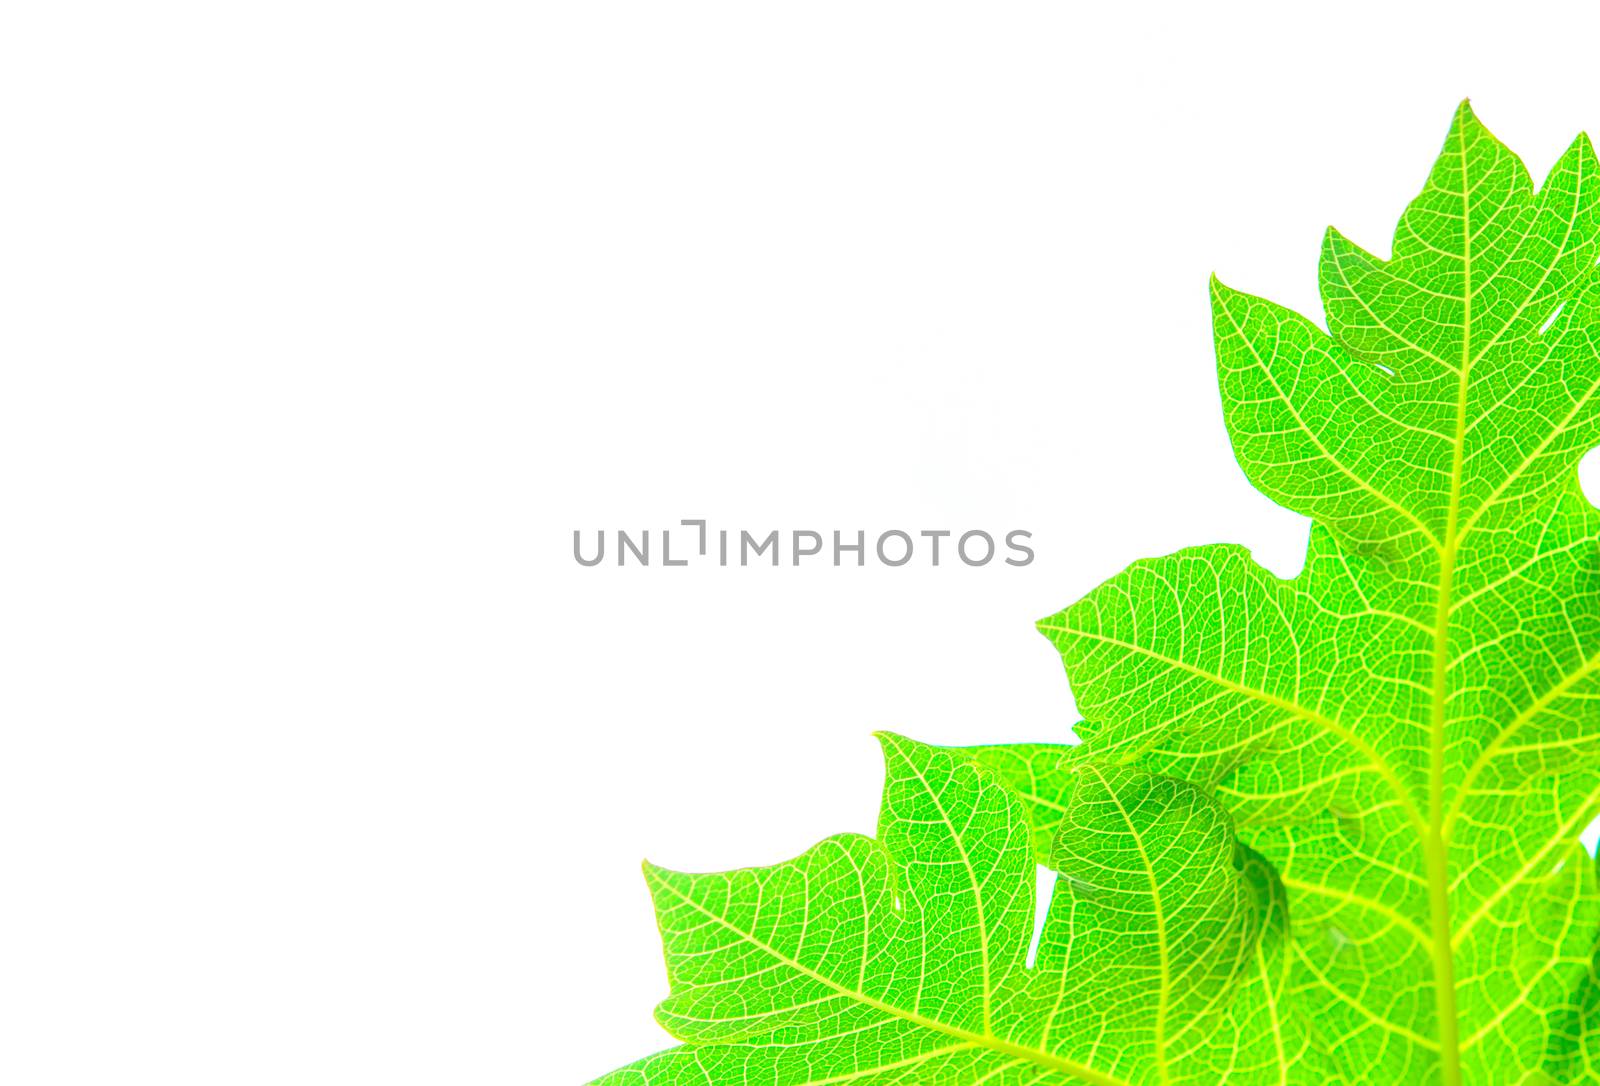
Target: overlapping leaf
pixel 1408 730
pixel 905 959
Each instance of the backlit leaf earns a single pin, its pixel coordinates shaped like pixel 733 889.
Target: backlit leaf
pixel 1408 730
pixel 905 959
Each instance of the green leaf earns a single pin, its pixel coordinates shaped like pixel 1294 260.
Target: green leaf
pixel 1407 731
pixel 905 959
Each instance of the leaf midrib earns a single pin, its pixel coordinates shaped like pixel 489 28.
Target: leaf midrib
pixel 1436 851
pixel 1163 994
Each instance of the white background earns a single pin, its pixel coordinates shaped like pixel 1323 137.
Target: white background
pixel 325 325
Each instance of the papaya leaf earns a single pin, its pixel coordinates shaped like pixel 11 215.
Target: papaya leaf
pixel 1408 730
pixel 906 958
